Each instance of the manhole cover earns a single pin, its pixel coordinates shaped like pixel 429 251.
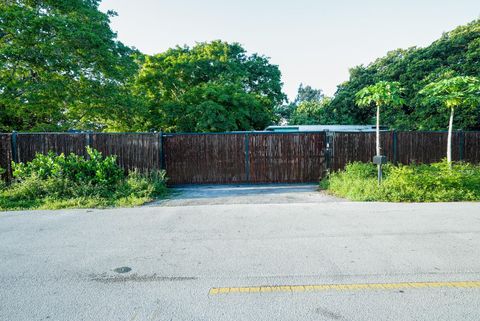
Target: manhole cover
pixel 123 269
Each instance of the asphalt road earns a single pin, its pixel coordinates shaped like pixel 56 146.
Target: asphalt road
pixel 291 261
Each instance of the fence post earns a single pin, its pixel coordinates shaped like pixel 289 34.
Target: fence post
pixel 88 138
pixel 328 150
pixel 161 150
pixel 14 147
pixel 247 157
pixel 461 145
pixel 395 147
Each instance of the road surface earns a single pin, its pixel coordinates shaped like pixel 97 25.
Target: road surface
pixel 291 261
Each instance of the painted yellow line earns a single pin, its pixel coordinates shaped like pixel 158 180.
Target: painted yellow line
pixel 343 287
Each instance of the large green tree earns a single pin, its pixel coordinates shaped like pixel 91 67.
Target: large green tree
pixel 212 86
pixel 456 53
pixel 61 67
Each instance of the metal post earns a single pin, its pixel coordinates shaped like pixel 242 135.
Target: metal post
pixel 380 174
pixel 379 161
pixel 328 150
pixel 395 150
pixel 161 150
pixel 88 138
pixel 461 145
pixel 14 147
pixel 247 157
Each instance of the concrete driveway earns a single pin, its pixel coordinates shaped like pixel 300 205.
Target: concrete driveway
pixel 290 261
pixel 246 194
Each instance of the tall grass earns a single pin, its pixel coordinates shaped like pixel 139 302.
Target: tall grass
pixel 407 183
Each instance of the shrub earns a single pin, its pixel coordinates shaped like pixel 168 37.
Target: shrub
pixel 407 183
pixel 59 181
pixel 95 170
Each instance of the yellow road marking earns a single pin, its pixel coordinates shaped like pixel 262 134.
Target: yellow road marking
pixel 343 287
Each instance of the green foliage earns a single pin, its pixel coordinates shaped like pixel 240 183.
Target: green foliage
pixel 210 87
pixel 453 92
pixel 456 53
pixel 310 113
pixel 59 181
pixel 407 183
pixel 307 93
pixel 307 108
pixel 381 94
pixel 95 170
pixel 61 67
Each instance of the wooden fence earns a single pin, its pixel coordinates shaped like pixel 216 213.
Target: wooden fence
pixel 243 157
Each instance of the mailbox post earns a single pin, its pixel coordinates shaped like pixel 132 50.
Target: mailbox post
pixel 379 160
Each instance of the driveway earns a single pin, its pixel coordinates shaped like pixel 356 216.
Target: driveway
pixel 246 194
pixel 291 261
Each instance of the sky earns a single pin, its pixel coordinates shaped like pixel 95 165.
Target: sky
pixel 313 42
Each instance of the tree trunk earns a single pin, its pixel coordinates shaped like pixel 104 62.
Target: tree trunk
pixel 379 166
pixel 449 139
pixel 378 130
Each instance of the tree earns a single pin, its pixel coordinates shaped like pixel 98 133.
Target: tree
pixel 212 86
pixel 456 52
pixel 307 93
pixel 310 113
pixel 382 94
pixel 310 97
pixel 452 93
pixel 61 67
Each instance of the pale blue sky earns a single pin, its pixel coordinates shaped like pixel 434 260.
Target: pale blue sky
pixel 314 42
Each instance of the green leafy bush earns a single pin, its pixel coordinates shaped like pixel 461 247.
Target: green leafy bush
pixel 59 181
pixel 94 170
pixel 407 183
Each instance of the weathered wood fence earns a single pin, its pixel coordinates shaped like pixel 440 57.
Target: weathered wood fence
pixel 242 157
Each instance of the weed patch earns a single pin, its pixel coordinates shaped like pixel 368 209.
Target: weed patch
pixel 57 181
pixel 407 183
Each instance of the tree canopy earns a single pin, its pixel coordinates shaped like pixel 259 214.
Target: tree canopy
pixel 61 67
pixel 456 53
pixel 212 86
pixel 453 92
pixel 306 108
pixel 381 94
pixel 310 112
